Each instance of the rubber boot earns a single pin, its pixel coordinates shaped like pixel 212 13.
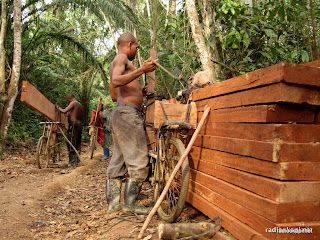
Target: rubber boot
pixel 131 193
pixel 113 192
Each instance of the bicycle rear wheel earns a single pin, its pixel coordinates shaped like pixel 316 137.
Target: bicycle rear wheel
pixel 173 203
pixel 41 154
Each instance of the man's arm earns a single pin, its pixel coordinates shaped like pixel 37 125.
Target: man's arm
pixel 113 92
pixel 68 108
pixel 118 77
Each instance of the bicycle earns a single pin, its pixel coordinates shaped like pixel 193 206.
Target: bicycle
pixel 171 137
pixel 48 146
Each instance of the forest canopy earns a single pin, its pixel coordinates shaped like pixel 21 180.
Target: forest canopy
pixel 67 46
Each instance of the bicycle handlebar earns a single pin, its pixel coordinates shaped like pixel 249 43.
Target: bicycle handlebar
pixel 50 123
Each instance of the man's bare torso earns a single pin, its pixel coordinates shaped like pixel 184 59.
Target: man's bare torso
pixel 130 93
pixel 76 112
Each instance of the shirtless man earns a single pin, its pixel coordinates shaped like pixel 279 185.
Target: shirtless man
pixel 74 113
pixel 130 154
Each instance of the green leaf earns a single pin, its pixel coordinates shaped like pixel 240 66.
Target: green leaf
pixel 305 56
pixel 270 33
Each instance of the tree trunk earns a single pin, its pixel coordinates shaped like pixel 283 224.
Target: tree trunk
pixel 172 7
pixel 3 51
pixel 210 26
pixel 204 51
pixel 314 45
pixel 188 230
pixel 16 66
pixel 108 21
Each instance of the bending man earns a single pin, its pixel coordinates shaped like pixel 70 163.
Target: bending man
pixel 74 113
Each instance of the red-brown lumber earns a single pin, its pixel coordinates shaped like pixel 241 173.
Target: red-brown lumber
pixel 150 111
pixel 315 63
pixel 302 74
pixel 151 138
pixel 246 216
pixel 262 114
pixel 302 171
pixel 238 229
pixel 37 101
pixel 317 118
pixel 275 151
pixel 249 80
pixel 151 76
pixel 283 72
pixel 296 133
pixel 275 190
pixel 275 93
pixel 271 210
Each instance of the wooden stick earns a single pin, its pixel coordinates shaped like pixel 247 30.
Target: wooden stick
pixel 165 70
pixel 97 111
pixel 175 170
pixel 69 142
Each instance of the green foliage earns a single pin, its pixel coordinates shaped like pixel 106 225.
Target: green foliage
pixel 175 46
pixel 272 32
pixel 67 45
pixel 62 43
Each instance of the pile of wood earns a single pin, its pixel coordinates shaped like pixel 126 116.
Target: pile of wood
pixel 256 163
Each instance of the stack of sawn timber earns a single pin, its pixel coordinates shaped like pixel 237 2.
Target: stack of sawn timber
pixel 256 162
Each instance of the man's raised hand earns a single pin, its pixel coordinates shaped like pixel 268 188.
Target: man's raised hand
pixel 148 66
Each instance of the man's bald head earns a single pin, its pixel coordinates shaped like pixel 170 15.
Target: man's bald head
pixel 125 38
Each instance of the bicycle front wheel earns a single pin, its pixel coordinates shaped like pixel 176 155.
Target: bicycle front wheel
pixel 41 154
pixel 173 203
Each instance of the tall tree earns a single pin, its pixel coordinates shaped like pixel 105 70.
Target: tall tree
pixel 205 54
pixel 12 91
pixel 3 51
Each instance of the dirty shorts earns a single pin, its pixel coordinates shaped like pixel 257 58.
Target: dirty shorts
pixel 129 149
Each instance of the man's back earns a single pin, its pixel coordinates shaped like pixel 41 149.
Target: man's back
pixel 76 112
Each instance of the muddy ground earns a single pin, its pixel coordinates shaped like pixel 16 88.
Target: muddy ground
pixel 66 203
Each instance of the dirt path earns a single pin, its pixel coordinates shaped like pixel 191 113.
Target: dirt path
pixel 62 203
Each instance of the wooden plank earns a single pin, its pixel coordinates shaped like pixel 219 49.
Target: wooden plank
pixel 279 191
pixel 302 74
pixel 165 111
pixel 244 215
pixel 249 80
pixel 315 63
pixel 271 210
pixel 151 138
pixel 150 111
pixel 275 93
pixel 306 74
pixel 238 229
pixel 296 133
pixel 151 76
pixel 275 151
pixel 37 101
pixel 303 171
pixel 317 117
pixel 262 114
